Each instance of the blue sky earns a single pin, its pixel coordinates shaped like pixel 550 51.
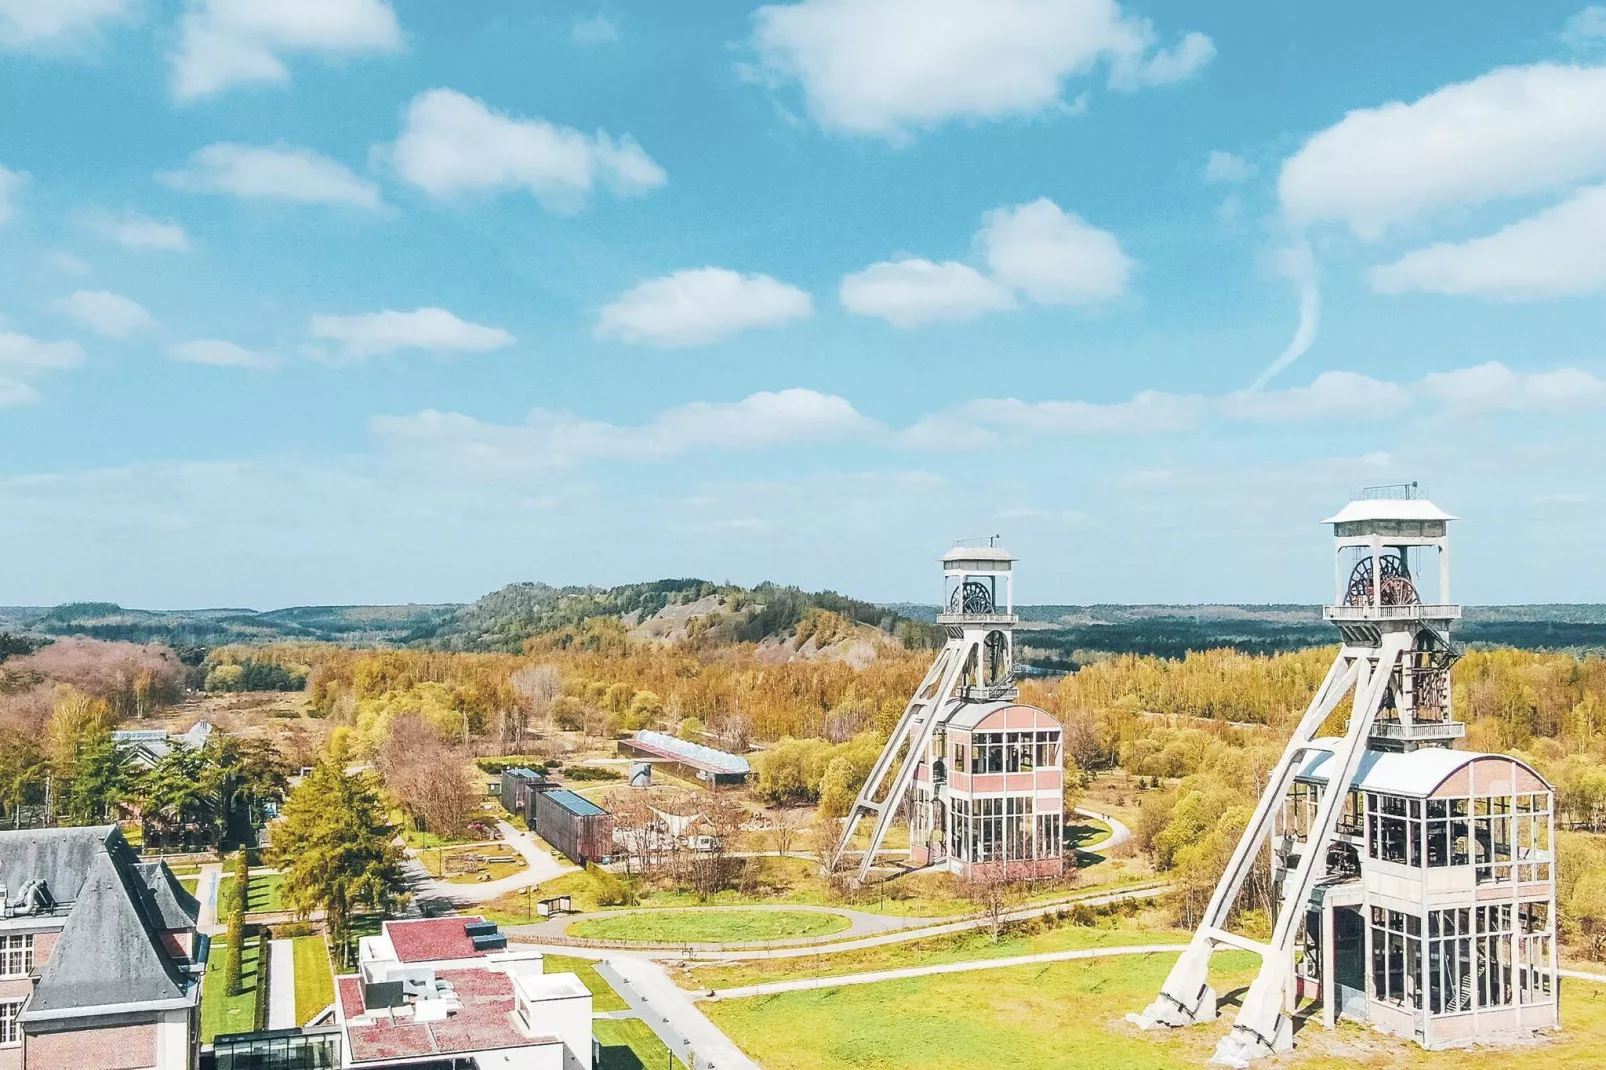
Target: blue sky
pixel 367 301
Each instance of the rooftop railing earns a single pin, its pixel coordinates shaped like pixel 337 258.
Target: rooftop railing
pixel 977 618
pixel 1412 612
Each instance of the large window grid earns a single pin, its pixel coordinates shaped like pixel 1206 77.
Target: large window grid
pixel 1009 752
pixel 1506 838
pixel 10 1031
pixel 1003 830
pixel 1396 958
pixel 1489 957
pixel 16 955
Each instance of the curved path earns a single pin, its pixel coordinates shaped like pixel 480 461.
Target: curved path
pixel 1119 833
pixel 540 867
pixel 906 930
pixel 807 983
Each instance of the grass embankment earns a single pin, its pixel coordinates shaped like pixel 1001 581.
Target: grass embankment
pixel 315 982
pixel 262 894
pixel 709 926
pixel 958 947
pixel 1087 830
pixel 603 997
pixel 796 881
pixel 1069 1016
pixel 630 1044
pixel 222 1013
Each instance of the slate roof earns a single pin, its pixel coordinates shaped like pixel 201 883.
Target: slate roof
pixel 110 951
pixel 62 857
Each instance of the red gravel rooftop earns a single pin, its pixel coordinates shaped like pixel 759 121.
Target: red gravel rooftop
pixel 432 939
pixel 484 1024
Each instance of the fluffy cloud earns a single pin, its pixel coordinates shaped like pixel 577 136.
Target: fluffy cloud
pixel 1586 30
pixel 66 263
pixel 597 30
pixel 221 354
pixel 552 439
pixel 107 314
pixel 699 306
pixel 1053 256
pixel 453 144
pixel 1514 131
pixel 1495 387
pixel 1224 167
pixel 231 42
pixel 913 292
pixel 434 330
pixel 25 23
pixel 883 67
pixel 1332 395
pixel 1559 251
pixel 282 172
pixel 138 232
pixel 23 358
pixel 11 183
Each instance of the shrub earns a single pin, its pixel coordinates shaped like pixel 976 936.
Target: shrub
pixel 607 889
pixel 591 772
pixel 233 954
pixel 291 929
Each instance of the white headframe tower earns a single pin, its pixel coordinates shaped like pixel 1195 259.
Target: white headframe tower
pixel 1395 661
pixel 976 664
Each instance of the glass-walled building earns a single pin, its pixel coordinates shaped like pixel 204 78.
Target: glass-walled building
pixel 1437 918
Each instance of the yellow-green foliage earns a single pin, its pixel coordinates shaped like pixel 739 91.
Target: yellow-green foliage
pixel 792 771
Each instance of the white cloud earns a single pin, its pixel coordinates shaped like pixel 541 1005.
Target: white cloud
pixel 25 23
pixel 1148 412
pixel 281 172
pixel 1053 256
pixel 1298 265
pixel 553 439
pixel 1513 131
pixel 597 30
pixel 11 183
pixel 1559 251
pixel 913 292
pixel 434 330
pixel 1494 387
pixel 452 144
pixel 223 43
pixel 67 263
pixel 883 67
pixel 1166 66
pixel 23 358
pixel 1332 394
pixel 699 306
pixel 138 232
pixel 1225 168
pixel 1586 30
pixel 107 314
pixel 221 354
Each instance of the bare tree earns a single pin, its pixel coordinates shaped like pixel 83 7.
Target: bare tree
pixel 784 827
pixel 712 866
pixel 536 686
pixel 428 777
pixel 994 893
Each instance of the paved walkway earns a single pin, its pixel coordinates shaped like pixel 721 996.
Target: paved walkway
pixel 674 1008
pixel 540 867
pixel 206 894
pixel 1119 833
pixel 808 983
pixel 281 985
pixel 1580 975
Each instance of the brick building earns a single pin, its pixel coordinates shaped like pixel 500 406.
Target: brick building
pixel 100 961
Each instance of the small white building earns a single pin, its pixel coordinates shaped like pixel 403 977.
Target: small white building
pixel 447 987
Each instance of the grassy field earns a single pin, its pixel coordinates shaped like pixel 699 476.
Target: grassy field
pixel 709 926
pixel 1086 830
pixel 189 884
pixel 630 1044
pixel 603 997
pixel 959 947
pixel 221 1013
pixel 315 982
pixel 1069 1016
pixel 261 896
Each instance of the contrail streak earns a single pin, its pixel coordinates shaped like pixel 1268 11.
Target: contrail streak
pixel 1299 265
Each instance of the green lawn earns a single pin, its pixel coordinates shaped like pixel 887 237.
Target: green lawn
pixel 263 895
pixel 189 884
pixel 958 947
pixel 709 926
pixel 1086 830
pixel 603 997
pixel 1070 1016
pixel 315 982
pixel 229 1014
pixel 629 1044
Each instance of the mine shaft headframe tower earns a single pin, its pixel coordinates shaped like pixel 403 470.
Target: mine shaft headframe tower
pixel 1395 660
pixel 975 664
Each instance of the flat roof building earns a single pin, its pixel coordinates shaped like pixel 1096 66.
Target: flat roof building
pixel 575 825
pixel 687 760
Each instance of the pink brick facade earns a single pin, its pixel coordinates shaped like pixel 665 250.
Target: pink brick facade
pixel 129 1047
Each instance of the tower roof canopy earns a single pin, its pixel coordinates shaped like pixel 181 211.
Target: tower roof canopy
pixel 1363 509
pixel 977 553
pixel 1415 773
